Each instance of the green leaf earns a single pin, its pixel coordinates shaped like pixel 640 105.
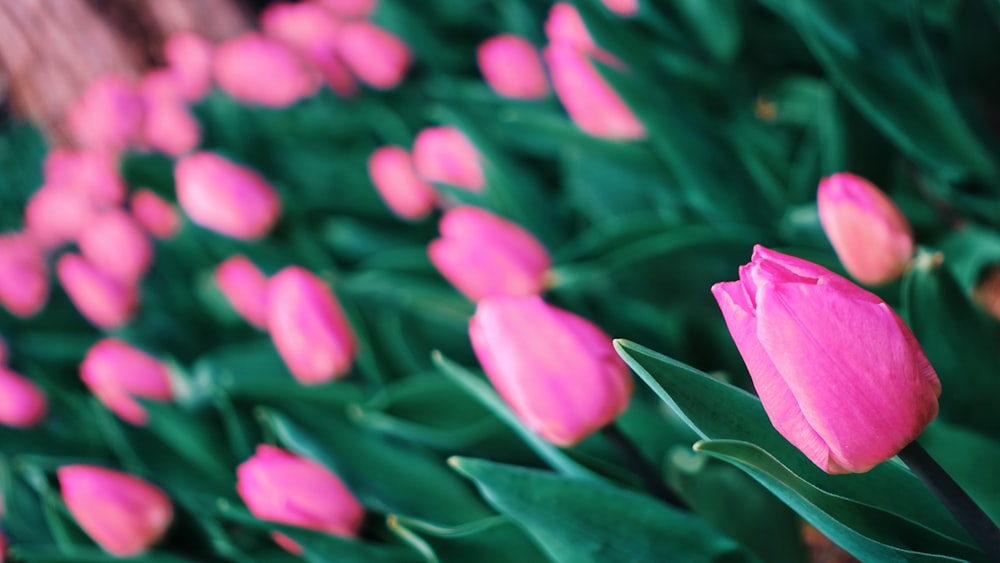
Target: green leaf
pixel 497 539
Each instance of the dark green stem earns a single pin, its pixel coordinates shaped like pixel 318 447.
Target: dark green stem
pixel 641 466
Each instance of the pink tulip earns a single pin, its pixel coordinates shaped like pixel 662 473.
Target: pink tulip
pixel 156 215
pixel 350 9
pixel 376 56
pixel 224 197
pixel 258 70
pixel 124 514
pixel 564 26
pixel 117 373
pixel 870 234
pixel 484 255
pixel 115 243
pixel 312 31
pixel 169 126
pixel 22 403
pixel 57 213
pixel 512 67
pixel 24 275
pixel 245 287
pixel 407 195
pixel 308 327
pixel 102 300
pixel 189 57
pixel 445 155
pixel 108 116
pixel 624 8
pixel 94 173
pixel 278 486
pixel 558 372
pixel 838 372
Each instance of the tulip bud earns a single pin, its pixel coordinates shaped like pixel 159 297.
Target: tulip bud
pixel 158 217
pixel 350 9
pixel 376 56
pixel 484 255
pixel 257 70
pixel 189 57
pixel 558 372
pixel 124 514
pixel 312 31
pixel 115 244
pixel 278 486
pixel 445 155
pixel 108 116
pixel 407 195
pixel 308 327
pixel 57 213
pixel 564 26
pixel 838 372
pixel 222 196
pixel 624 8
pixel 512 67
pixel 22 403
pixel 245 287
pixel 24 276
pixel 870 234
pixel 106 303
pixel 169 126
pixel 116 373
pixel 93 173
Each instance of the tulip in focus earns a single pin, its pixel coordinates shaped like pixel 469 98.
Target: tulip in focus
pixel 376 56
pixel 224 197
pixel 102 300
pixel 124 514
pixel 839 374
pixel 350 9
pixel 22 403
pixel 558 372
pixel 117 373
pixel 624 8
pixel 512 67
pixel 245 287
pixel 24 275
pixel 257 70
pixel 93 173
pixel 189 57
pixel 445 155
pixel 484 255
pixel 308 327
pixel 407 195
pixel 870 234
pixel 115 244
pixel 157 216
pixel 108 116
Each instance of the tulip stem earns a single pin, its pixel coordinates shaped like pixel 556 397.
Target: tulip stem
pixel 961 505
pixel 641 466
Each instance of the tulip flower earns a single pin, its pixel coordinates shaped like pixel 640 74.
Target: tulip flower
pixel 838 372
pixel 308 327
pixel 258 70
pixel 558 372
pixel 169 126
pixel 278 486
pixel 124 514
pixel 564 26
pixel 245 287
pixel 623 8
pixel 117 373
pixel 93 173
pixel 108 116
pixel 57 213
pixel 376 56
pixel 225 197
pixel 115 243
pixel 24 275
pixel 311 30
pixel 870 234
pixel 350 9
pixel 189 57
pixel 445 155
pixel 394 176
pixel 512 67
pixel 102 300
pixel 155 214
pixel 22 403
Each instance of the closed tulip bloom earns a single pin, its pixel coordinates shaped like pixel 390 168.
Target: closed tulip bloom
pixel 24 275
pixel 22 403
pixel 407 195
pixel 483 255
pixel 258 70
pixel 225 197
pixel 308 327
pixel 108 116
pixel 870 234
pixel 102 300
pixel 124 514
pixel 91 172
pixel 169 126
pixel 565 26
pixel 624 8
pixel 311 30
pixel 350 9
pixel 558 372
pixel 115 243
pixel 189 57
pixel 512 67
pixel 245 287
pixel 445 155
pixel 157 216
pixel 116 373
pixel 838 372
pixel 57 213
pixel 376 56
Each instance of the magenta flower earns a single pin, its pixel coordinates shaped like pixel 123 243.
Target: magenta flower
pixel 22 403
pixel 404 192
pixel 245 287
pixel 117 373
pixel 512 67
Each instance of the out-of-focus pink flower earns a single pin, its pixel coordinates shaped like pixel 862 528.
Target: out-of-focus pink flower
pixel 108 116
pixel 590 102
pixel 445 155
pixel 312 31
pixel 245 287
pixel 558 372
pixel 407 195
pixel 278 486
pixel 871 235
pixel 115 243
pixel 189 57
pixel 92 172
pixel 102 300
pixel 624 8
pixel 512 67
pixel 169 126
pixel 225 197
pixel 565 27
pixel 56 214
pixel 350 9
pixel 258 70
pixel 308 327
pixel 117 373
pixel 124 514
pixel 482 255
pixel 376 56
pixel 24 276
pixel 157 216
pixel 838 372
pixel 22 403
